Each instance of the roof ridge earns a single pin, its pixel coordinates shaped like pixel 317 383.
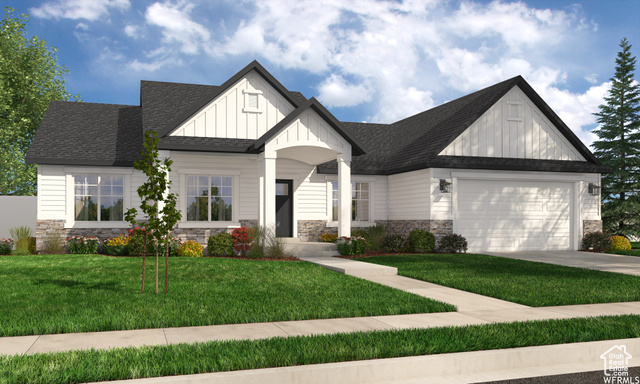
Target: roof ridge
pixel 93 103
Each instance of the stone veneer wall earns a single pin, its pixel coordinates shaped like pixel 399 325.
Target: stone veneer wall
pixel 46 228
pixel 309 230
pixel 439 228
pixel 590 226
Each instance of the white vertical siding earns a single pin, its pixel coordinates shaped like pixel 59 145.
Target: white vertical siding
pixel 498 134
pixel 310 189
pixel 51 192
pixel 409 196
pixel 310 128
pixel 228 117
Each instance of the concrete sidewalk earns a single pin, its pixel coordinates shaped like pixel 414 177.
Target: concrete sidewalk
pixel 629 265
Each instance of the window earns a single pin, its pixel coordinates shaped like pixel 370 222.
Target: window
pixel 209 198
pixel 515 111
pixel 93 191
pixel 252 101
pixel 359 201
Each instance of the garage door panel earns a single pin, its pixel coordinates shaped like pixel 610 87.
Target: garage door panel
pixel 514 215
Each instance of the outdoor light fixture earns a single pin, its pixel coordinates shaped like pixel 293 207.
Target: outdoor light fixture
pixel 594 190
pixel 445 186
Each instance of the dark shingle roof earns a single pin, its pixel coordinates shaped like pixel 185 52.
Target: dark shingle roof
pixel 88 134
pixel 115 131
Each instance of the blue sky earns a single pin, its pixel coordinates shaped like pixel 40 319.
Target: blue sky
pixel 366 61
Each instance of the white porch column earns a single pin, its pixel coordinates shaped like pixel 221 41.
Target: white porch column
pixel 261 168
pixel 344 196
pixel 269 198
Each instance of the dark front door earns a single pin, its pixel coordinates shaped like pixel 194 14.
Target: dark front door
pixel 284 208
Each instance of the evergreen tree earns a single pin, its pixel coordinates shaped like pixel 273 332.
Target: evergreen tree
pixel 619 147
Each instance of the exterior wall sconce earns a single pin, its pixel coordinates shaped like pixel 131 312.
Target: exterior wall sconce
pixel 594 190
pixel 445 186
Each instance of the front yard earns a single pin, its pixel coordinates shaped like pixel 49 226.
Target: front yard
pixel 80 293
pixel 525 282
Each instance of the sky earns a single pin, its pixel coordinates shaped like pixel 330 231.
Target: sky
pixel 365 61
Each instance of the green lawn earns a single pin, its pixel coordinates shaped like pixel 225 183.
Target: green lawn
pixel 79 293
pixel 183 359
pixel 519 281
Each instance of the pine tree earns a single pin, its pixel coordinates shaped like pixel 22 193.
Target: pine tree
pixel 619 148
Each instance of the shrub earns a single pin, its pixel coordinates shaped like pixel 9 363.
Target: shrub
pixel 351 245
pixel 376 234
pixel 453 243
pixel 32 245
pixel 360 233
pixel 394 243
pixel 116 246
pixel 421 240
pixel 242 239
pixel 136 242
pixel 619 243
pixel 190 249
pixel 6 246
pixel 53 243
pixel 328 237
pixel 82 245
pixel 276 248
pixel 220 244
pixel 596 241
pixel 21 236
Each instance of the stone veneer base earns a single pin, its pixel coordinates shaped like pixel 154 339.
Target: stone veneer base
pixel 590 226
pixel 46 228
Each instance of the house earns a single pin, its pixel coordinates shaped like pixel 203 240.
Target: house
pixel 497 166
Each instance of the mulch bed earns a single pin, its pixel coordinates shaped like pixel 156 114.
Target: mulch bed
pixel 288 258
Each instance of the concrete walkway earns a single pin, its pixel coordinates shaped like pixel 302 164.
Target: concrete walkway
pixel 629 265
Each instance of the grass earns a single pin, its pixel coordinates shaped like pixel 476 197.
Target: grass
pixel 183 359
pixel 81 293
pixel 635 245
pixel 525 282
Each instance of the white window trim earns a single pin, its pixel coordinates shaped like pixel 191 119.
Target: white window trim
pixel 369 223
pixel 235 195
pixel 70 221
pixel 247 93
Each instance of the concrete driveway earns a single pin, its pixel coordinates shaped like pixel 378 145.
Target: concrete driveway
pixel 600 261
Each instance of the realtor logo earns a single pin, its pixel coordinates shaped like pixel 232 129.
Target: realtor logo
pixel 616 360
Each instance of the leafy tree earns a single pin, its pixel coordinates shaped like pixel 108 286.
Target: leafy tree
pixel 619 147
pixel 30 78
pixel 154 191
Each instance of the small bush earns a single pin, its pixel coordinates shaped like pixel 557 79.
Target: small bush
pixel 421 240
pixel 82 245
pixel 360 233
pixel 328 237
pixel 136 242
pixel 53 243
pixel 32 245
pixel 351 245
pixel 276 247
pixel 21 236
pixel 6 246
pixel 242 239
pixel 394 243
pixel 376 234
pixel 453 243
pixel 190 249
pixel 116 246
pixel 596 241
pixel 619 243
pixel 220 244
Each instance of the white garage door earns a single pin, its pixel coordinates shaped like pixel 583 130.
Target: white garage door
pixel 514 215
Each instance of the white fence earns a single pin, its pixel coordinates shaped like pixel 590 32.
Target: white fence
pixel 17 211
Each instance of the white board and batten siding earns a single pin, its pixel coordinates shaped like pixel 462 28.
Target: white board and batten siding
pixel 234 115
pixel 514 127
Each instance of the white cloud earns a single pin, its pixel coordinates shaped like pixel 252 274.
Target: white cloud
pixel 336 92
pixel 82 26
pixel 78 9
pixel 132 31
pixel 153 65
pixel 592 78
pixel 177 26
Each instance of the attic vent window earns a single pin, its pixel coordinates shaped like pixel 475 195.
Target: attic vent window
pixel 515 111
pixel 252 102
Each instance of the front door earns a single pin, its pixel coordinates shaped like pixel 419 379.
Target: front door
pixel 284 208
